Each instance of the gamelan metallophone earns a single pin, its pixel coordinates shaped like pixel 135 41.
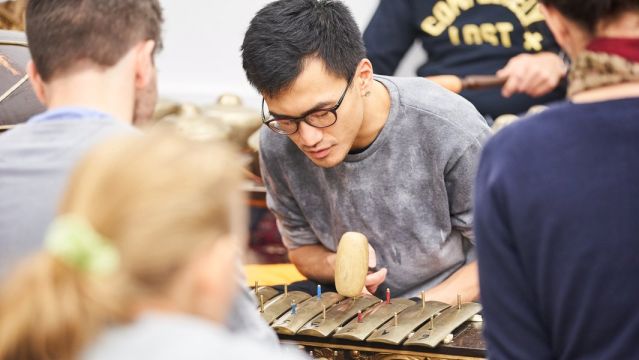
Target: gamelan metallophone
pixel 334 327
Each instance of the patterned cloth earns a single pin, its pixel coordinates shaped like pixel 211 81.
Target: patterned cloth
pixel 592 70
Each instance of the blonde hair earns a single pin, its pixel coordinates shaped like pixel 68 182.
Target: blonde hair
pixel 158 199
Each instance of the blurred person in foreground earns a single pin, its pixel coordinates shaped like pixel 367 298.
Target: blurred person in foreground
pixel 557 198
pixel 136 264
pixel 94 69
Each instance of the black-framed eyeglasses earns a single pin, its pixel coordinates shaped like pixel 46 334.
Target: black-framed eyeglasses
pixel 318 118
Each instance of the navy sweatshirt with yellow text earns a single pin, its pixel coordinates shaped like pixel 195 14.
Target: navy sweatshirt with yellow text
pixel 462 37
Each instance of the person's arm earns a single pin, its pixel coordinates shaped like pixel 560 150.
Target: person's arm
pixel 513 327
pixel 315 262
pixel 535 74
pixel 532 74
pixel 464 282
pixel 291 222
pixel 459 177
pixel 311 258
pixel 318 263
pixel 389 35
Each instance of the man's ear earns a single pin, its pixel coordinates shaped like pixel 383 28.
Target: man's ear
pixel 556 23
pixel 36 82
pixel 144 64
pixel 364 76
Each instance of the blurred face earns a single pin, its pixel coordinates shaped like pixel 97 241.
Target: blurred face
pixel 218 269
pixel 216 280
pixel 314 91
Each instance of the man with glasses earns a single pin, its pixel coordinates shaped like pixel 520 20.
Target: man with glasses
pixel 347 150
pixel 317 117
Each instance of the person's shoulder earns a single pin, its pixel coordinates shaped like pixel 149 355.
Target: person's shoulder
pixel 436 106
pixel 424 96
pixel 150 328
pixel 246 348
pixel 156 336
pixel 270 141
pixel 532 132
pixel 104 125
pixel 273 145
pixel 12 135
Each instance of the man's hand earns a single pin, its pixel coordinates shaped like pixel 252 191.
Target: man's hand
pixel 464 282
pixel 374 280
pixel 533 74
pixel 315 262
pixel 318 263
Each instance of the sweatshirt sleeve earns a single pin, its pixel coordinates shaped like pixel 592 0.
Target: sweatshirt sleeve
pixel 459 178
pixel 293 226
pixel 512 323
pixel 459 183
pixel 389 35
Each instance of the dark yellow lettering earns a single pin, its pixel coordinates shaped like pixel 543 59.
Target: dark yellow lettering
pixel 533 41
pixel 457 6
pixel 432 27
pixel 471 35
pixel 504 29
pixel 489 34
pixel 453 33
pixel 443 13
pixel 527 5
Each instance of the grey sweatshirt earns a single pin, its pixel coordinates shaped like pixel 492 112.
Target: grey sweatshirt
pixel 161 336
pixel 36 159
pixel 409 192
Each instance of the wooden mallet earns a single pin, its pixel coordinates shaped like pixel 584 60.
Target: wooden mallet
pixel 457 84
pixel 351 264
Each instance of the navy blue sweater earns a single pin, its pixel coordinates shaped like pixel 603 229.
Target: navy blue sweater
pixel 557 200
pixel 469 38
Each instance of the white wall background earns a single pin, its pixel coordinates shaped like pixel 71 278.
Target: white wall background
pixel 201 56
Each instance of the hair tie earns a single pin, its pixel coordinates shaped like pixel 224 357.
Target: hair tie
pixel 73 240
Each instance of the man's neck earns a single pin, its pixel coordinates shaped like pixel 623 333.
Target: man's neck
pixel 625 26
pixel 376 110
pixel 105 91
pixel 607 93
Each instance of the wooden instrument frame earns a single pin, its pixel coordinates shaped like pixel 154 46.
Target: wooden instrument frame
pixel 462 339
pixel 341 349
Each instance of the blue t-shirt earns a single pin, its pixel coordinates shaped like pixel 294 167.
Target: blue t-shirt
pixel 463 37
pixel 36 159
pixel 557 197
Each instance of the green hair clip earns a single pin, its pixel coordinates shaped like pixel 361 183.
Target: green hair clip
pixel 73 240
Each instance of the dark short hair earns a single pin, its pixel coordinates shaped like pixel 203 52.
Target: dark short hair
pixel 588 13
pixel 63 33
pixel 286 33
